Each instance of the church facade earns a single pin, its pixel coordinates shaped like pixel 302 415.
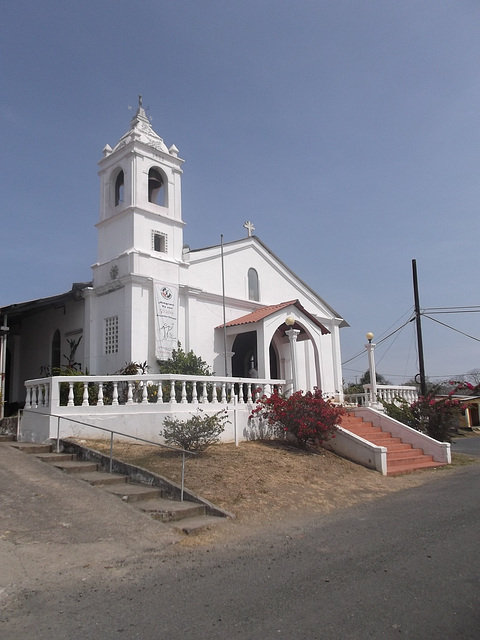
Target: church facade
pixel 236 304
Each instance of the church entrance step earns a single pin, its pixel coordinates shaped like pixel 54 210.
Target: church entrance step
pixel 401 456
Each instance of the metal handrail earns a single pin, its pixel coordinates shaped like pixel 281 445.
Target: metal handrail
pixel 112 433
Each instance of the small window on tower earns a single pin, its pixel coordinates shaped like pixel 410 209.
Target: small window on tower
pixel 156 190
pixel 119 188
pixel 159 241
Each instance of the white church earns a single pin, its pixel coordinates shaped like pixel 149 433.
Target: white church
pixel 236 305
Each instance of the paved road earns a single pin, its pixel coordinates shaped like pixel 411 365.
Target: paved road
pixel 470 445
pixel 404 566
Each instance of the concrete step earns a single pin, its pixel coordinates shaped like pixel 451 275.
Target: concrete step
pixel 135 492
pixel 398 446
pixel 406 452
pixel 55 457
pixel 29 447
pixel 198 524
pixel 382 439
pixel 407 468
pixel 360 429
pixel 101 478
pixel 75 466
pixel 7 438
pixel 172 510
pixel 401 456
pixel 416 461
pixel 352 421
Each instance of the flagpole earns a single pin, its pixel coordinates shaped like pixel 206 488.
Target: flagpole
pixel 224 313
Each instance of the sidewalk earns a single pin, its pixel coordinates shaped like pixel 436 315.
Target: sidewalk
pixel 52 523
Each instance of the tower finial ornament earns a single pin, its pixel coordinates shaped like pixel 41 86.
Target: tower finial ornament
pixel 140 101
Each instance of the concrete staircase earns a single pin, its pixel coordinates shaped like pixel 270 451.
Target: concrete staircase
pixel 187 517
pixel 401 457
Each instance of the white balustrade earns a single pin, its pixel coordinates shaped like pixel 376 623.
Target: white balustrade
pixel 133 391
pixel 390 393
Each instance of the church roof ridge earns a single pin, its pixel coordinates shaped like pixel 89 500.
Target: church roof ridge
pixel 255 238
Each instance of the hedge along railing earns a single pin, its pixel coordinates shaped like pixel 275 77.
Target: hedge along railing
pixel 112 433
pixel 144 390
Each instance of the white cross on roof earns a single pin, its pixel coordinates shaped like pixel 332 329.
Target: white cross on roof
pixel 249 227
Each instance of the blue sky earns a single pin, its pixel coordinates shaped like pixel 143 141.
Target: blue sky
pixel 347 131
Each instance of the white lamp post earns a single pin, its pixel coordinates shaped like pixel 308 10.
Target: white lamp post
pixel 292 336
pixel 371 366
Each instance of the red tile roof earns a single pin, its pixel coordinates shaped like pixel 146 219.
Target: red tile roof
pixel 264 312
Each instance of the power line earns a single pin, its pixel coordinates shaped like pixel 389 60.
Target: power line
pixel 453 329
pixel 473 306
pixel 360 353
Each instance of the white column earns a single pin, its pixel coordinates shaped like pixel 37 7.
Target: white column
pixel 373 375
pixel 292 336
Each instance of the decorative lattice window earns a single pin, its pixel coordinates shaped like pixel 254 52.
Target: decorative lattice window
pixel 111 335
pixel 159 241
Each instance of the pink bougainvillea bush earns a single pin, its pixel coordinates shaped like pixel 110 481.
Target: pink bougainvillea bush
pixel 433 414
pixel 306 416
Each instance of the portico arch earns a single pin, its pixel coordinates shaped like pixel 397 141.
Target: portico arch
pixel 261 336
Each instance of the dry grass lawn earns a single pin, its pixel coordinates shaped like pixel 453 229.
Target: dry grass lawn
pixel 258 481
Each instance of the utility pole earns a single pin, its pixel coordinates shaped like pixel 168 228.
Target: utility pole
pixel 423 383
pixel 3 363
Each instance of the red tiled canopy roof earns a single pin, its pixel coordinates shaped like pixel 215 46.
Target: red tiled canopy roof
pixel 264 312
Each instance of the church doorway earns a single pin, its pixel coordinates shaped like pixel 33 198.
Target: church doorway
pixel 245 357
pixel 245 354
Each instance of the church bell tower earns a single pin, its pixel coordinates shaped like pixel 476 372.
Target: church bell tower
pixel 140 246
pixel 141 228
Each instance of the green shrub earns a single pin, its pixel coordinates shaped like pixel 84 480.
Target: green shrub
pixel 196 433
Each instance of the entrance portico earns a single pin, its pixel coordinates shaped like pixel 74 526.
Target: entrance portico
pixel 261 346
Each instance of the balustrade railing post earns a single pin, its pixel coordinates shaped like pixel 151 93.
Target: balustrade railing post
pixel 184 392
pixel 100 395
pixel 129 392
pixel 58 435
pixel 111 451
pixel 183 476
pixel 235 429
pixel 85 394
pixel 241 398
pixel 70 402
pixel 173 398
pixel 115 393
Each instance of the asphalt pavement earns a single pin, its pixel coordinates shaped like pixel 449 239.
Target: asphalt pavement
pixel 52 523
pixel 469 445
pixel 403 566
